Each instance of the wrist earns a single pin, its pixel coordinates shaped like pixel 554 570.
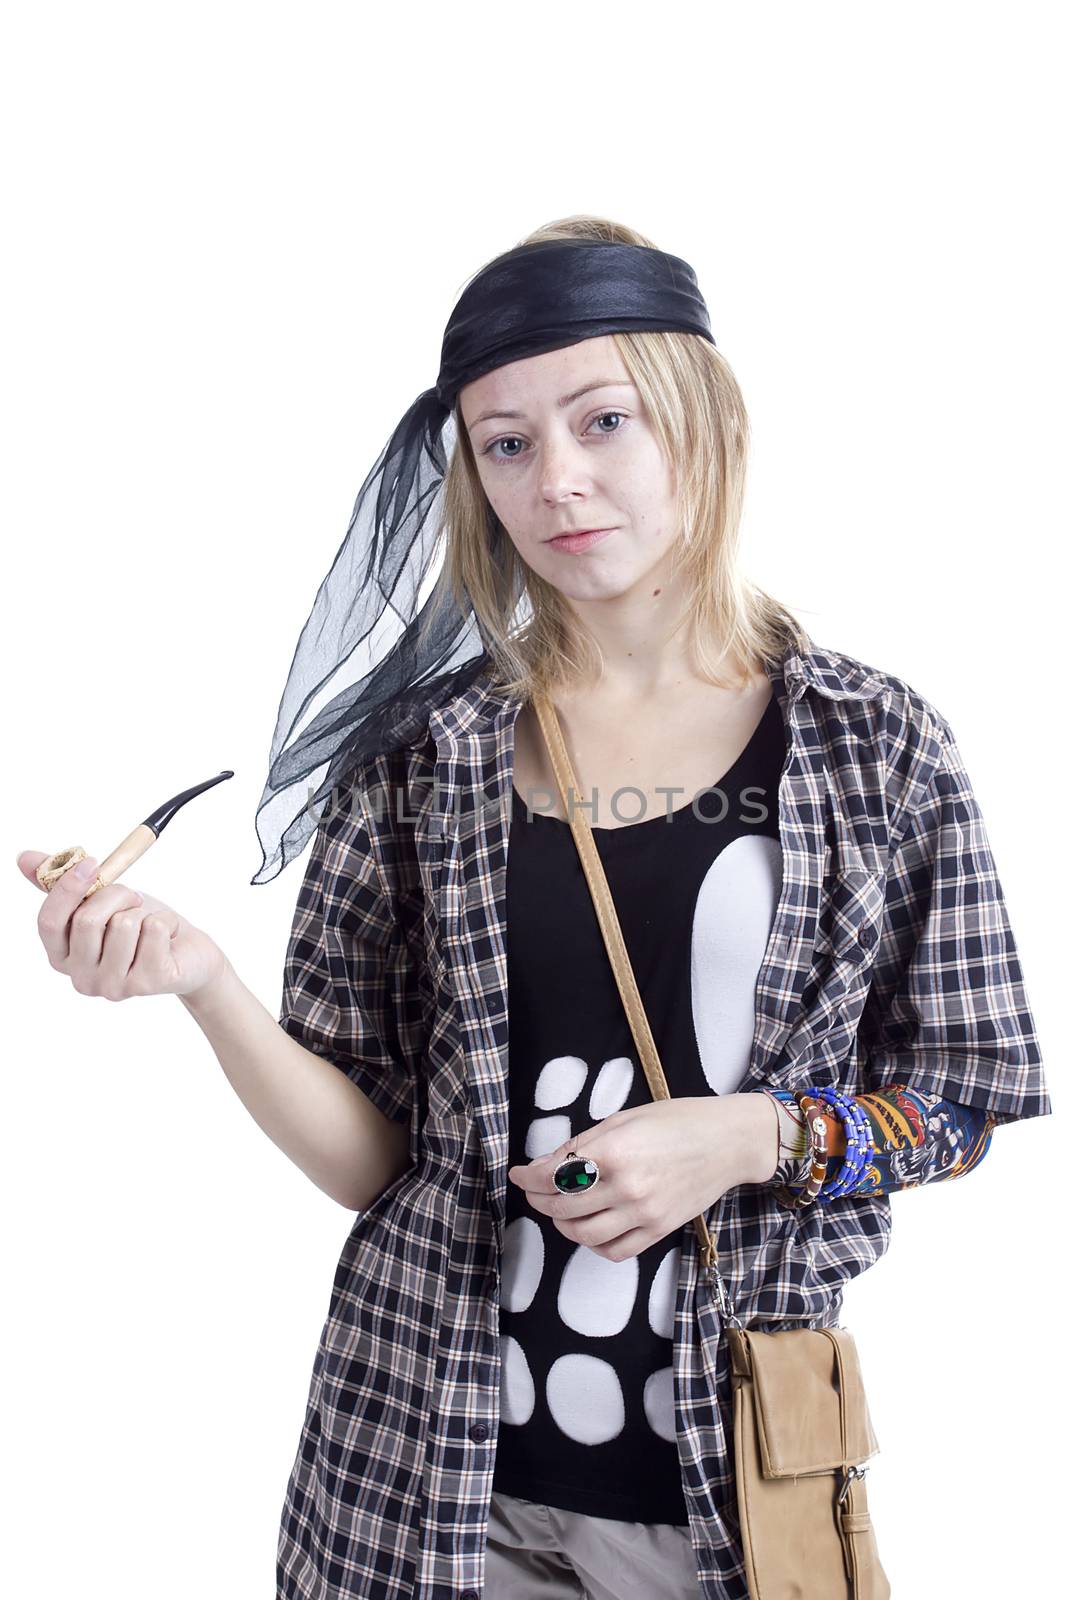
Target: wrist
pixel 201 1002
pixel 763 1142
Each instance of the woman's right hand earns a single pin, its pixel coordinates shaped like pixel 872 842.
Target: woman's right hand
pixel 119 943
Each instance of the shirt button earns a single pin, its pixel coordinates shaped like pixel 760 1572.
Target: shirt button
pixel 468 1594
pixel 479 1431
pixel 866 935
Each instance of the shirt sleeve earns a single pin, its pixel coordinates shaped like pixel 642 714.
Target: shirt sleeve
pixel 915 1139
pixel 347 969
pixel 947 1013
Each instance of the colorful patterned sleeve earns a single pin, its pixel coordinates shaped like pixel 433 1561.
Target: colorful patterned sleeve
pixel 918 1138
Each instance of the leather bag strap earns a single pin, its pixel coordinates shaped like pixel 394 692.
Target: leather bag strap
pixel 620 960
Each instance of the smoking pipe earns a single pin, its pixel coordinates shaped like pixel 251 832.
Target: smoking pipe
pixel 132 847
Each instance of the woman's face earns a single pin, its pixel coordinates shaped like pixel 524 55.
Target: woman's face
pixel 553 460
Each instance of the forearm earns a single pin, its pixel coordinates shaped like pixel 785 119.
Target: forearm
pixel 304 1103
pixel 918 1139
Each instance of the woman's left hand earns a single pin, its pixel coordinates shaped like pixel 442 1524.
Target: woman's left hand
pixel 661 1165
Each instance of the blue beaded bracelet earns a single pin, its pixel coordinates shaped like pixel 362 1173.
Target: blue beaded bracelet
pixel 859 1145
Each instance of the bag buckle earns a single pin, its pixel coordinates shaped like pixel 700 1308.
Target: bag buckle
pixel 722 1298
pixel 853 1472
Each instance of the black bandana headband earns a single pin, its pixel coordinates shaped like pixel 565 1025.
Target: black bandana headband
pixel 538 297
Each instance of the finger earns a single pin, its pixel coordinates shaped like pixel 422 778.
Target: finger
pixel 154 969
pixel 28 861
pixel 599 1229
pixel 537 1177
pixel 122 937
pixel 59 905
pixel 71 885
pixel 623 1246
pixel 88 922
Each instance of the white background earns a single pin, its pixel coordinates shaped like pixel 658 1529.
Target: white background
pixel 234 234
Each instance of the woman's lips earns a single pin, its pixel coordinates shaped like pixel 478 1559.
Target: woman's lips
pixel 576 542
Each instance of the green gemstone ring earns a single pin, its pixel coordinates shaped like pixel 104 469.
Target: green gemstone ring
pixel 575 1174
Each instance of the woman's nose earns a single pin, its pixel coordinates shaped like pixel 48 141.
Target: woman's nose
pixel 562 468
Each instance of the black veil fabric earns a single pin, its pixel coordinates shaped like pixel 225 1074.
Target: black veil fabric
pixel 350 649
pixel 368 643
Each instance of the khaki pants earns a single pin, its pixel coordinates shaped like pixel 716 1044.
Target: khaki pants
pixel 538 1552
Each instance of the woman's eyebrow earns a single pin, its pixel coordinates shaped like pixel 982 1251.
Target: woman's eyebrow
pixel 563 401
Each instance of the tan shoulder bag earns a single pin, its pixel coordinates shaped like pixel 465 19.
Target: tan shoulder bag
pixel 801 1425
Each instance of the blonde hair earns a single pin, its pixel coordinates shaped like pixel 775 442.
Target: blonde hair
pixel 699 418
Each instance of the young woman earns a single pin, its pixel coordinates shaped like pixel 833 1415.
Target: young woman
pixel 521 1391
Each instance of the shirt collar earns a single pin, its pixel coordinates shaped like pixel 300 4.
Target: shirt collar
pixel 829 673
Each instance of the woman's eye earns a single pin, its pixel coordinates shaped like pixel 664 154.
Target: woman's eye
pixel 513 455
pixel 604 414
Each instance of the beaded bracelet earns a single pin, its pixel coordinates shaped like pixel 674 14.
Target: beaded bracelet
pixel 859 1144
pixel 815 1114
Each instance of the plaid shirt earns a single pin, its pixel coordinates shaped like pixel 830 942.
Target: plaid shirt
pixel 890 959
